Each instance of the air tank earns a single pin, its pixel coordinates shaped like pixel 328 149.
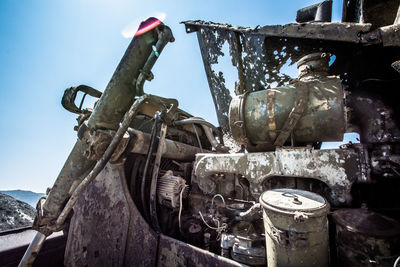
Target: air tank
pixel 310 109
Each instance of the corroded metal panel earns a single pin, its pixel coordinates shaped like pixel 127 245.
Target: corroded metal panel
pixel 97 234
pixel 176 253
pixel 107 229
pixel 337 168
pixel 141 243
pixel 259 54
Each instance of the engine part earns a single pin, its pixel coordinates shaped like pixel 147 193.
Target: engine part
pixel 296 228
pixel 366 238
pixel 244 244
pixel 311 109
pixel 327 166
pixel 169 189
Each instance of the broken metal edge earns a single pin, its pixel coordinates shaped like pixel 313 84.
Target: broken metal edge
pixel 329 31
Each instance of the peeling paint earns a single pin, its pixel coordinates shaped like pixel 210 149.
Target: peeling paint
pixel 328 166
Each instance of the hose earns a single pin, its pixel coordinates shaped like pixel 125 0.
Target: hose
pixel 146 166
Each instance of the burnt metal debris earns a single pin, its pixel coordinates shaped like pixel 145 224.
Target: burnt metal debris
pixel 162 182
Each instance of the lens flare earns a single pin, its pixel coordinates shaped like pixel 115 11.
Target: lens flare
pixel 143 24
pixel 147 25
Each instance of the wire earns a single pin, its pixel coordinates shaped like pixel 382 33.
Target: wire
pixel 217 195
pixel 180 206
pixel 396 263
pixel 209 226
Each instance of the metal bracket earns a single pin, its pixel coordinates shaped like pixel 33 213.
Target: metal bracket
pixel 68 99
pixel 271 113
pixel 295 114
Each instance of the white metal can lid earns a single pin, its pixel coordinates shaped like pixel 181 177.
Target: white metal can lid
pixel 291 200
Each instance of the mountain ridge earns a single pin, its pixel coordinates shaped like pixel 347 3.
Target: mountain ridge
pixel 24 195
pixel 15 213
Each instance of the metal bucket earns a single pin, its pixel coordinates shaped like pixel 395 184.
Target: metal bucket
pixel 366 238
pixel 296 228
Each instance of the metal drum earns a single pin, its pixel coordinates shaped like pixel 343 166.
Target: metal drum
pixel 296 228
pixel 311 109
pixel 366 238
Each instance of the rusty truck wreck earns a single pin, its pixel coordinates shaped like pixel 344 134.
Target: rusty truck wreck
pixel 149 184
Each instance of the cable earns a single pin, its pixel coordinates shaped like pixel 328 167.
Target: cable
pixel 217 195
pixel 180 206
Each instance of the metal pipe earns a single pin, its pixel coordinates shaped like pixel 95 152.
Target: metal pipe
pixel 206 127
pixel 103 160
pixel 318 12
pixel 196 120
pixel 110 108
pixel 164 37
pixel 33 250
pixel 210 136
pixel 173 149
pixel 251 214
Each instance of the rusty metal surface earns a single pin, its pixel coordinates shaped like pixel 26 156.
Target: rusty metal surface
pixel 105 228
pixel 337 168
pixel 333 31
pixel 258 54
pixel 268 111
pixel 296 228
pixel 140 237
pixel 172 149
pixel 109 110
pixel 97 234
pixel 172 252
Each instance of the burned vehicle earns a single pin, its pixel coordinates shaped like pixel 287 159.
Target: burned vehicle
pixel 150 184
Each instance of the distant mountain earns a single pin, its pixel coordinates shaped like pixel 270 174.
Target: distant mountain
pixel 26 196
pixel 14 213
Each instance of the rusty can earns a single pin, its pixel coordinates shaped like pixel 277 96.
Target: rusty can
pixel 366 238
pixel 296 228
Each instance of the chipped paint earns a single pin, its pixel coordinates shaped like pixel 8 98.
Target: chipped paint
pixel 328 166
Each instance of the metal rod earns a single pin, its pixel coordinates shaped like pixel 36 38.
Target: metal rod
pixel 33 250
pixel 198 138
pixel 196 120
pixel 153 186
pixel 173 149
pixel 146 165
pixel 205 124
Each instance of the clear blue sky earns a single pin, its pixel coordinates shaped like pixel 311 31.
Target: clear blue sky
pixel 47 46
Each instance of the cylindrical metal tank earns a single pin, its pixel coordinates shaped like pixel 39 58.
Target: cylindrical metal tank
pixel 366 238
pixel 296 228
pixel 312 108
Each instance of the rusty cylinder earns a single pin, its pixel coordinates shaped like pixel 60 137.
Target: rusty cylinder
pixel 296 228
pixel 108 113
pixel 258 118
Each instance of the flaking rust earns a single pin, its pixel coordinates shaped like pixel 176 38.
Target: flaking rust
pixel 168 193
